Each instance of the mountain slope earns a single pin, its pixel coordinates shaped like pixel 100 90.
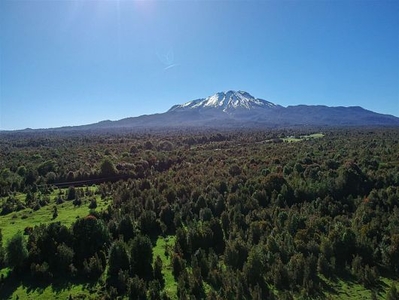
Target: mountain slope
pixel 236 109
pixel 239 109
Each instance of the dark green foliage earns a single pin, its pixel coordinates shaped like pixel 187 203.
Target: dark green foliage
pixel 255 269
pixel 65 257
pixel 181 244
pixel 196 284
pixel 107 168
pixel 30 177
pixel 141 257
pixel 118 259
pixel 2 252
pixel 391 254
pixel 248 216
pixel 183 285
pixel 51 245
pixel 279 275
pixel 93 204
pixel 41 272
pixel 71 193
pixel 93 267
pixel 55 212
pixel 234 170
pixel 177 265
pixel 126 228
pixel 323 267
pixel 296 269
pixel 148 223
pixel 137 288
pixel 120 283
pixel 16 252
pixel 217 242
pixel 393 293
pixel 353 180
pixel 201 261
pixel 46 167
pixel 236 254
pixel 154 290
pixel 90 237
pixel 158 276
pixel 11 204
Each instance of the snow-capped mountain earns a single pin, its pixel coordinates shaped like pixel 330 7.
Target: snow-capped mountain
pixel 239 109
pixel 227 102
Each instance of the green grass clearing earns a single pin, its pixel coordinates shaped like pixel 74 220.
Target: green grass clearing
pixel 11 223
pixel 314 136
pixel 348 289
pixel 293 139
pixel 160 249
pixel 58 289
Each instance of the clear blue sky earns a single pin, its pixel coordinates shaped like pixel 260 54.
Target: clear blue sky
pixel 78 62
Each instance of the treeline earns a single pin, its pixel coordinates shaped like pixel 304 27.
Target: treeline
pixel 251 219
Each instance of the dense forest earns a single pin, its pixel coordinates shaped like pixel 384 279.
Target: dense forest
pixel 268 214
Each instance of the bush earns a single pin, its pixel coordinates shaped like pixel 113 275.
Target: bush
pixel 141 257
pixel 16 252
pixel 93 267
pixel 107 168
pixel 93 204
pixel 137 289
pixel 71 193
pixel 118 259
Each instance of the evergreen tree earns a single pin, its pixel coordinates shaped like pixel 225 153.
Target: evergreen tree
pixel 16 252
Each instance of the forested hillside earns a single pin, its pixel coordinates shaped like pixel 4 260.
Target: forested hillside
pixel 278 214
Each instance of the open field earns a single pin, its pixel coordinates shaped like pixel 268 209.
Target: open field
pixel 11 223
pixel 163 249
pixel 59 289
pixel 291 139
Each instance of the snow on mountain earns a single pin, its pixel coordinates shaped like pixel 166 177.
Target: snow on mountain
pixel 226 101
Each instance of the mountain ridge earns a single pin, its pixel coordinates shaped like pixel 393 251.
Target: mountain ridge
pixel 239 109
